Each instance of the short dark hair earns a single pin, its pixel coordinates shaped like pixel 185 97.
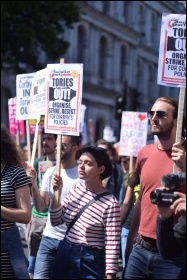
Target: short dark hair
pixel 75 140
pixel 104 142
pixel 101 158
pixel 43 132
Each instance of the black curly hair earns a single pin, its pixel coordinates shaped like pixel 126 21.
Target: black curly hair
pixel 10 153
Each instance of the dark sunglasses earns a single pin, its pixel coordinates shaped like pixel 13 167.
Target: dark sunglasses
pixel 63 146
pixel 160 114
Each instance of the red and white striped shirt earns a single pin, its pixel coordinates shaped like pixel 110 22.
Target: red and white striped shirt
pixel 99 226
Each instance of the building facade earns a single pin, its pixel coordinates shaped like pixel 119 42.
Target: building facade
pixel 118 44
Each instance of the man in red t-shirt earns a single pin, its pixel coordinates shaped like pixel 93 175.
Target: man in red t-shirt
pixel 154 161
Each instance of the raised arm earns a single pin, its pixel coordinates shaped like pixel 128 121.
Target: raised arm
pixel 179 156
pixel 40 198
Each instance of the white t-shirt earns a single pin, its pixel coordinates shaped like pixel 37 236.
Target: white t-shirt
pixel 70 178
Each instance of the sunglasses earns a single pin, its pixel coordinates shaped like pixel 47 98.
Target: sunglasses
pixel 63 146
pixel 159 114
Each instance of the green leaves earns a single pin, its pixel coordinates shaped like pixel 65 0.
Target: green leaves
pixel 30 28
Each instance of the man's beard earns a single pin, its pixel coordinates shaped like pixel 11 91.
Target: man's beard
pixel 47 151
pixel 166 131
pixel 66 156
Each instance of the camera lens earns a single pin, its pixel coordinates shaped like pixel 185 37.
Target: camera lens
pixel 155 196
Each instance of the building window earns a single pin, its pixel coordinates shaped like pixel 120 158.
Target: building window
pixel 150 91
pixel 127 11
pixel 81 44
pixel 153 30
pixel 123 63
pixel 139 76
pixel 103 58
pixel 106 7
pixel 142 22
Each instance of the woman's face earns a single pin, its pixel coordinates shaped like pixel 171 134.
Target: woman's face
pixel 88 169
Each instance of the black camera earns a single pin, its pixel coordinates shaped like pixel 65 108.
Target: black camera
pixel 164 197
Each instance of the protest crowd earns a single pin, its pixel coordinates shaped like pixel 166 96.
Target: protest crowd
pixel 88 207
pixel 98 209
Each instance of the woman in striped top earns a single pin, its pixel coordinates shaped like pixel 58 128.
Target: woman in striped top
pixel 91 248
pixel 15 207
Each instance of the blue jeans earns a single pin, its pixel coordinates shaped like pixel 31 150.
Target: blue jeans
pixel 78 262
pixel 45 257
pixel 31 266
pixel 35 236
pixel 124 235
pixel 145 264
pixel 11 243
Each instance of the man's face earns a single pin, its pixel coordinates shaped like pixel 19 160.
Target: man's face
pixel 162 126
pixel 125 163
pixel 66 148
pixel 49 143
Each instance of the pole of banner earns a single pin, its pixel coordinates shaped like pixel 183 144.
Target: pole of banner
pixel 179 122
pixel 35 141
pixel 28 140
pixel 18 136
pixel 131 164
pixel 39 144
pixel 58 154
pixel 40 137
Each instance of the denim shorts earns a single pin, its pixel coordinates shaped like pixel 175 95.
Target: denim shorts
pixel 78 262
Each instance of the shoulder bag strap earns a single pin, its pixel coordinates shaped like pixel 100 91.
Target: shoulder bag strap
pixel 83 208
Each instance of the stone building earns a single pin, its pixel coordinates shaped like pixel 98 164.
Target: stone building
pixel 118 44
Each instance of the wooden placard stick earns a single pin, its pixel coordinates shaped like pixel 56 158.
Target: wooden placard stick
pixel 58 154
pixel 28 140
pixel 131 164
pixel 39 144
pixel 18 137
pixel 35 141
pixel 179 122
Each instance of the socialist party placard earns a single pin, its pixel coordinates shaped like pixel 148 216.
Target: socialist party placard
pixel 172 53
pixel 63 98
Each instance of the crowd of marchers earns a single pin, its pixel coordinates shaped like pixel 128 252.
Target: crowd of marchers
pixel 98 208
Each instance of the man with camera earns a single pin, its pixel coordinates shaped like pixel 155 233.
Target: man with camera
pixel 154 161
pixel 171 240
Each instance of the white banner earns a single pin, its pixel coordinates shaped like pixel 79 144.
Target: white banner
pixel 23 87
pixel 172 52
pixel 38 94
pixel 63 98
pixel 133 136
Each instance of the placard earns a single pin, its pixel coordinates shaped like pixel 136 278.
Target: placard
pixel 133 136
pixel 63 98
pixel 172 52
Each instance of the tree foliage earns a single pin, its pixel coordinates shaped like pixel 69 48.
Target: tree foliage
pixel 29 28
